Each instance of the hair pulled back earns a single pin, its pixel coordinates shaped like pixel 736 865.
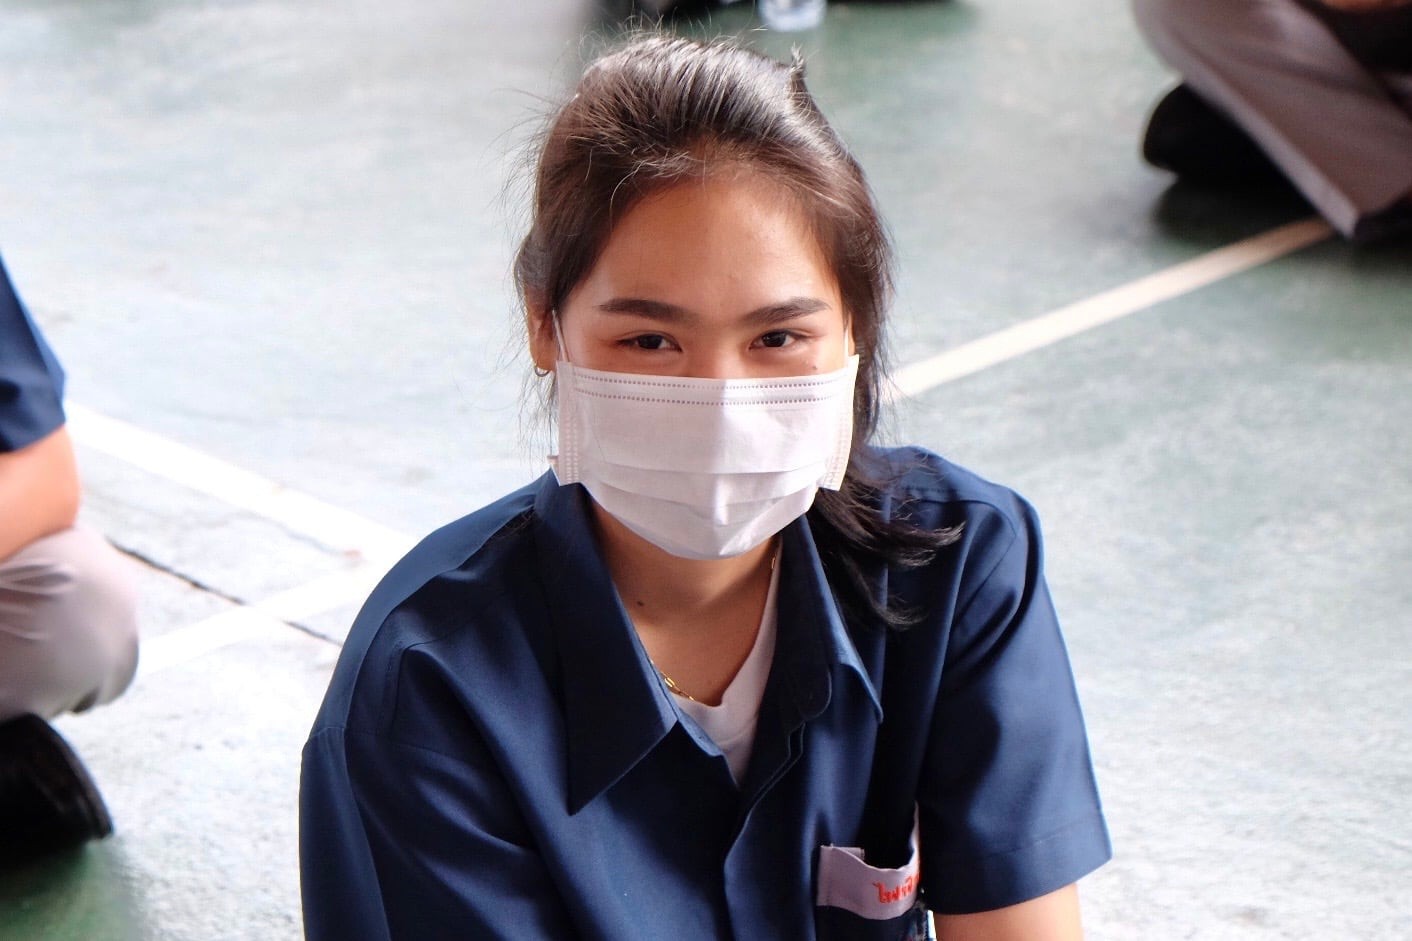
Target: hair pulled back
pixel 662 110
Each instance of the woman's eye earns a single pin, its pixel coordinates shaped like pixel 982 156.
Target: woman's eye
pixel 649 341
pixel 777 339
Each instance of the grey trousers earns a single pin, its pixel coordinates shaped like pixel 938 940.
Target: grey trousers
pixel 68 625
pixel 1341 132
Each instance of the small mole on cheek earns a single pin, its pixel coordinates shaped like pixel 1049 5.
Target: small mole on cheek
pixel 640 603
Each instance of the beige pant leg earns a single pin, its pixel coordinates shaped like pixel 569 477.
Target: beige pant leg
pixel 68 625
pixel 1335 129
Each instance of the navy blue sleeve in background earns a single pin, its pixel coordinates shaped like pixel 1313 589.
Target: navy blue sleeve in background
pixel 31 381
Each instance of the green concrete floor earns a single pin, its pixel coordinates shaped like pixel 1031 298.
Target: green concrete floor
pixel 278 233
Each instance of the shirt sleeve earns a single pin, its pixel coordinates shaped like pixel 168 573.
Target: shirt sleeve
pixel 400 843
pixel 31 381
pixel 1008 807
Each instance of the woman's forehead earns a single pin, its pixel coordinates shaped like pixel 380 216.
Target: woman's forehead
pixel 714 235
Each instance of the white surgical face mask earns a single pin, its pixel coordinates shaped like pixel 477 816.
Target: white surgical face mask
pixel 704 468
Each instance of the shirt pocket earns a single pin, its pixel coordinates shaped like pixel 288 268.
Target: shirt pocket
pixel 859 902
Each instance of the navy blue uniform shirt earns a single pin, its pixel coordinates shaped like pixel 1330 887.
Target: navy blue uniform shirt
pixel 31 382
pixel 497 758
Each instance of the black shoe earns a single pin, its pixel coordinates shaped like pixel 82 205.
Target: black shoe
pixel 1394 222
pixel 1198 142
pixel 47 800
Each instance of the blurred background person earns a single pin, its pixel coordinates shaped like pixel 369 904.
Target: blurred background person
pixel 1318 92
pixel 68 624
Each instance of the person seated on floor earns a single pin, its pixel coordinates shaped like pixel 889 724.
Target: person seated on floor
pixel 68 621
pixel 1318 92
pixel 729 669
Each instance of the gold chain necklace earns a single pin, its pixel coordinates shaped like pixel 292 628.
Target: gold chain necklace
pixel 670 683
pixel 672 686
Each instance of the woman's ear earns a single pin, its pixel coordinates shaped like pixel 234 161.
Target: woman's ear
pixel 539 324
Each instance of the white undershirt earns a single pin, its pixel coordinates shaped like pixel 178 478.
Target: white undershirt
pixel 731 725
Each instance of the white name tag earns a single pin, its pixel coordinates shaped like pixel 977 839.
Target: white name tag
pixel 846 881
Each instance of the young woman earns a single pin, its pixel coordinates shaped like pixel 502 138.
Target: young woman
pixel 728 670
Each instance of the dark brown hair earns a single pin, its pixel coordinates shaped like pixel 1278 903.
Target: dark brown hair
pixel 663 109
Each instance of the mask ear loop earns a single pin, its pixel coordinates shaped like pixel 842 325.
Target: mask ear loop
pixel 564 358
pixel 559 336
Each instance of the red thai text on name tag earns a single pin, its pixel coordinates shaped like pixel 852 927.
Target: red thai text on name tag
pixel 898 893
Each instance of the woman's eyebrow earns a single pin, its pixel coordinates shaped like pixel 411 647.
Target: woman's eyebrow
pixel 653 310
pixel 784 311
pixel 768 315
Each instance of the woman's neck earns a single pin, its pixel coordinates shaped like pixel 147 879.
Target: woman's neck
pixel 697 619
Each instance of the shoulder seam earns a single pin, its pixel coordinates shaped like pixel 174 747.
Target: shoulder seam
pixel 396 654
pixel 344 732
pixel 963 608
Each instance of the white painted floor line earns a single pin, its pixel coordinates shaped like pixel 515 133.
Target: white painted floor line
pixel 196 640
pixel 338 529
pixel 322 594
pixel 1046 329
pixel 264 619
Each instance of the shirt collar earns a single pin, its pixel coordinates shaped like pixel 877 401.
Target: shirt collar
pixel 614 711
pixel 615 715
pixel 812 638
